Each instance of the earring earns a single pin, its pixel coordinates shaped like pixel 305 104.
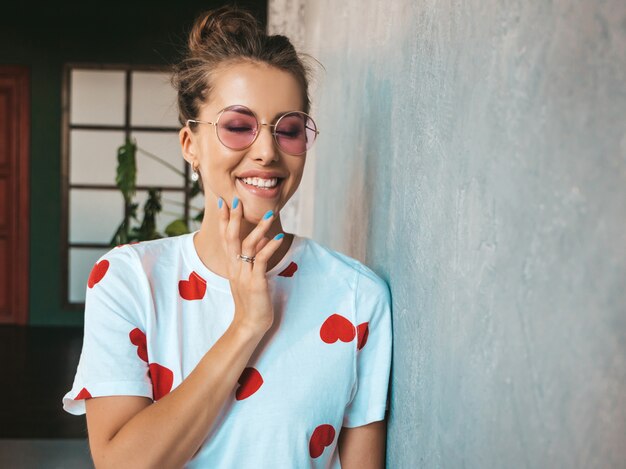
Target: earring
pixel 194 175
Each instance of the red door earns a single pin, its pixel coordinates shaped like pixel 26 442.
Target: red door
pixel 14 191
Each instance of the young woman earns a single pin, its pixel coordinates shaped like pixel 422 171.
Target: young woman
pixel 238 345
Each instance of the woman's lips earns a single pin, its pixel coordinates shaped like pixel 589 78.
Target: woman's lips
pixel 269 193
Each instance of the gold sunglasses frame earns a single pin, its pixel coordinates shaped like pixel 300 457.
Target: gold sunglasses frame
pixel 259 124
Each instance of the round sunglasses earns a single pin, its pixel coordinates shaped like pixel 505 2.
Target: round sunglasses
pixel 237 127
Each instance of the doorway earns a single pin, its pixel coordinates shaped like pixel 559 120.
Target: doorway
pixel 14 193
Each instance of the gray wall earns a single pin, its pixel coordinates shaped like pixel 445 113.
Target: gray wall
pixel 474 154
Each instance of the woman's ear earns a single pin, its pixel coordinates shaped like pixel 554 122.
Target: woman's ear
pixel 187 145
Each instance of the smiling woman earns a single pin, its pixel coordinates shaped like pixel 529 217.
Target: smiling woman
pixel 238 345
pixel 239 145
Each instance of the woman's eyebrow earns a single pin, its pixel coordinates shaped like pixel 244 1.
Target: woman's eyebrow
pixel 242 110
pixel 245 110
pixel 282 113
pixel 248 112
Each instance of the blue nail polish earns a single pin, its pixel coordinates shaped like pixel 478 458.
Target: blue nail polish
pixel 268 214
pixel 235 203
pixel 219 202
pixel 279 236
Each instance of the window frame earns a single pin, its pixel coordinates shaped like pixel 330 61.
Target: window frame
pixel 66 186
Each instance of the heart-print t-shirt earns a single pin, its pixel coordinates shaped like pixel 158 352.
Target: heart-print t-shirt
pixel 153 309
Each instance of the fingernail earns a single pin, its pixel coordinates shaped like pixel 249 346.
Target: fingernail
pixel 219 202
pixel 268 214
pixel 235 203
pixel 279 236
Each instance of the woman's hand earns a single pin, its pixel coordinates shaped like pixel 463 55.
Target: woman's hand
pixel 248 281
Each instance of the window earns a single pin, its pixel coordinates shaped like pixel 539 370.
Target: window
pixel 102 107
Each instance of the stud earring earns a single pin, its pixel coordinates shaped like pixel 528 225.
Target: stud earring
pixel 194 175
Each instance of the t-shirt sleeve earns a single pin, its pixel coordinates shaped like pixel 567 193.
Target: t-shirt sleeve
pixel 113 359
pixel 374 342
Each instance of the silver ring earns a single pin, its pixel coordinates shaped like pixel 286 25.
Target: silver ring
pixel 246 258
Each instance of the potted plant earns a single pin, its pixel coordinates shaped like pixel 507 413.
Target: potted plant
pixel 125 180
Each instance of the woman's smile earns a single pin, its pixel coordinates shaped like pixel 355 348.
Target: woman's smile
pixel 267 185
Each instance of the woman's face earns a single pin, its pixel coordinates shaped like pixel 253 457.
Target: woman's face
pixel 268 92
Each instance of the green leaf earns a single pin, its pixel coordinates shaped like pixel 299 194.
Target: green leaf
pixel 194 190
pixel 120 236
pixel 199 216
pixel 177 228
pixel 132 211
pixel 151 208
pixel 126 176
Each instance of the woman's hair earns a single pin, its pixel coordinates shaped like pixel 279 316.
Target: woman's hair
pixel 225 36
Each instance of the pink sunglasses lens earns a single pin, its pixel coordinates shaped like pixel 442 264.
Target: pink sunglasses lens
pixel 295 133
pixel 237 128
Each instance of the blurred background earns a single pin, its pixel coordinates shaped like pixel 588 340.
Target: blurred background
pixel 473 154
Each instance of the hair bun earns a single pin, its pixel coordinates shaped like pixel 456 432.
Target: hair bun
pixel 226 35
pixel 220 26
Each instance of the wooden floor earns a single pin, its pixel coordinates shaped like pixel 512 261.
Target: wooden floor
pixel 37 368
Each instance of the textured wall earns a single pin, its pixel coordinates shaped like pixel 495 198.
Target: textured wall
pixel 474 154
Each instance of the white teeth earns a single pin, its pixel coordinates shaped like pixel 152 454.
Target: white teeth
pixel 258 182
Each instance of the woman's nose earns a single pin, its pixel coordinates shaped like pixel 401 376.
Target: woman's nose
pixel 264 146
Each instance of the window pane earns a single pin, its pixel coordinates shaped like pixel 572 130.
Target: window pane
pixel 165 146
pixel 196 205
pixel 153 100
pixel 94 215
pixel 93 156
pixel 81 262
pixel 97 97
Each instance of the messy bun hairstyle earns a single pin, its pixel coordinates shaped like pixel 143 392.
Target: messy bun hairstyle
pixel 224 36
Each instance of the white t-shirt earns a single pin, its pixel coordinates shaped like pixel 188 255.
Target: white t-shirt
pixel 153 309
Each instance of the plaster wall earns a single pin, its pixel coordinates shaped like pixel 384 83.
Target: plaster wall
pixel 474 154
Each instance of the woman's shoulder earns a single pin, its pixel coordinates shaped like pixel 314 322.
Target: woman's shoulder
pixel 138 255
pixel 150 247
pixel 335 264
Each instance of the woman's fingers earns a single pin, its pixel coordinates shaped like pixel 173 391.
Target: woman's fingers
pixel 261 244
pixel 249 245
pixel 232 231
pixel 264 255
pixel 223 218
pixel 255 244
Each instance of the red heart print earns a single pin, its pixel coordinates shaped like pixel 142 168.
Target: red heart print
pixel 335 328
pixel 250 381
pixel 83 394
pixel 290 270
pixel 97 272
pixel 192 289
pixel 138 338
pixel 162 380
pixel 322 437
pixel 362 332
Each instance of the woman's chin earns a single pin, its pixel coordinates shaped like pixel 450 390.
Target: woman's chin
pixel 256 216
